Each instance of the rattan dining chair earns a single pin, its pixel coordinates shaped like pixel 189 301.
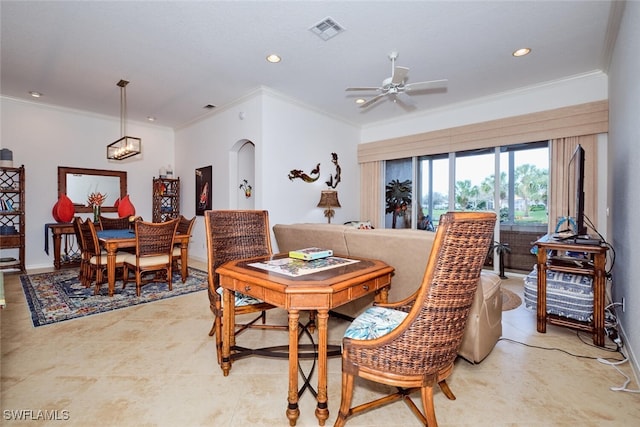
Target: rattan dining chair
pixel 412 344
pixel 185 226
pixel 233 235
pixel 96 257
pixel 154 248
pixel 84 255
pixel 107 223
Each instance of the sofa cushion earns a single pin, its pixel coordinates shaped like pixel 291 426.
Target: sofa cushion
pixel 406 250
pixel 298 236
pixel 374 323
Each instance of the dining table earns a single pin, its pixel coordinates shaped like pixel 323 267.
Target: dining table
pixel 113 240
pixel 296 285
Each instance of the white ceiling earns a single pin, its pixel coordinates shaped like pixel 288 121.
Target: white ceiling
pixel 180 56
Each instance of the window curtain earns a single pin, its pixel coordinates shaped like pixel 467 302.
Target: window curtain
pixel 371 195
pixel 561 201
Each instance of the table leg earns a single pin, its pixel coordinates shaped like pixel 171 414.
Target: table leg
pixel 57 240
pixel 541 312
pixel 228 327
pixel 599 285
pixel 322 410
pixel 293 412
pixel 111 267
pixel 184 261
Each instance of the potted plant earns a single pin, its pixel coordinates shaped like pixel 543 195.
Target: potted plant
pixel 246 188
pixel 500 248
pixel 398 199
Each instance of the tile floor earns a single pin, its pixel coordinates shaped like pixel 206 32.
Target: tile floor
pixel 155 365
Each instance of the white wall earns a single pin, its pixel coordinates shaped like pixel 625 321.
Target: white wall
pixel 624 158
pixel 548 96
pixel 299 138
pixel 287 136
pixel 44 137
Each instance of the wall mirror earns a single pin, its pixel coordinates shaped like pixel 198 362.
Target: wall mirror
pixel 78 183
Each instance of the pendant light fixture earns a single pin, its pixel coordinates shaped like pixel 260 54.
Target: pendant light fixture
pixel 126 146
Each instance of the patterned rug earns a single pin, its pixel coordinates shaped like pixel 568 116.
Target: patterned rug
pixel 59 295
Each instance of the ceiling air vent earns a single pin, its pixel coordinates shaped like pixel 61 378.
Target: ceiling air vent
pixel 327 28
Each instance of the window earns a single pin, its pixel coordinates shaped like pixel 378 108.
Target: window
pixel 398 193
pixel 520 193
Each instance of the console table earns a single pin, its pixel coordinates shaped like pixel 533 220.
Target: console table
pixel 70 257
pixel 593 265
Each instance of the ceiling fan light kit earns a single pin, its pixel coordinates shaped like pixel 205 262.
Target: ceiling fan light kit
pixel 397 84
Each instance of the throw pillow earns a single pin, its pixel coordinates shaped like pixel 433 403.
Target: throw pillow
pixel 362 225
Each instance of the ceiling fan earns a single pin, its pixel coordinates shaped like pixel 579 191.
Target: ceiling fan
pixel 396 84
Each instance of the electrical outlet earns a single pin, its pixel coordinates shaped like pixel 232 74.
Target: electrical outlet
pixel 623 305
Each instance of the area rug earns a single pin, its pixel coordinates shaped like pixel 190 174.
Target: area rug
pixel 510 300
pixel 59 295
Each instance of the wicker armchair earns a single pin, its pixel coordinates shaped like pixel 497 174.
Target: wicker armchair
pixel 107 223
pixel 94 258
pixel 231 235
pixel 417 347
pixel 154 247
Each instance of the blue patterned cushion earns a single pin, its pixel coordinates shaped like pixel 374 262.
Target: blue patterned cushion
pixel 374 323
pixel 568 295
pixel 242 299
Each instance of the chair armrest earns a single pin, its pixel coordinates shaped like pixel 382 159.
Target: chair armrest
pixel 402 305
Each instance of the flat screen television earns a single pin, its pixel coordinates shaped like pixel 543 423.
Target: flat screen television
pixel 576 165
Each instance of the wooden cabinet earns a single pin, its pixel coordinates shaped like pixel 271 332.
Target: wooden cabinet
pixel 12 214
pixel 166 199
pixel 552 255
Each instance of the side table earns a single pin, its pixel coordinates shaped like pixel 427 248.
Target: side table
pixel 71 255
pixel 593 265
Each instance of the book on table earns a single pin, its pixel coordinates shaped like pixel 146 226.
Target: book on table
pixel 309 254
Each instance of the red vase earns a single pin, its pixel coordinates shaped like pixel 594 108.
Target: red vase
pixel 126 208
pixel 63 210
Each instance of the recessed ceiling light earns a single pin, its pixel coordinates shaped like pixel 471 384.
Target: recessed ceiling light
pixel 151 118
pixel 35 94
pixel 360 101
pixel 273 58
pixel 521 52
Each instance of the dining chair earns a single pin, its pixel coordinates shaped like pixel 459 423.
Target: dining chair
pixel 84 259
pixel 96 257
pixel 233 235
pixel 184 227
pixel 107 223
pixel 412 344
pixel 154 247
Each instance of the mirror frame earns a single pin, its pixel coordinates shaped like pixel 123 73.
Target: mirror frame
pixel 63 171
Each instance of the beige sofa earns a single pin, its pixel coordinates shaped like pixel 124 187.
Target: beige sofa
pixel 407 251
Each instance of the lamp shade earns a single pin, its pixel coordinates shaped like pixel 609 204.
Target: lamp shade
pixel 329 199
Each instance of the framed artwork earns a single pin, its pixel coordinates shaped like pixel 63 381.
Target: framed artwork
pixel 203 189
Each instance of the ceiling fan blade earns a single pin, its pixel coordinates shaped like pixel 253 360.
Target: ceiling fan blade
pixel 372 100
pixel 432 84
pixel 399 74
pixel 362 88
